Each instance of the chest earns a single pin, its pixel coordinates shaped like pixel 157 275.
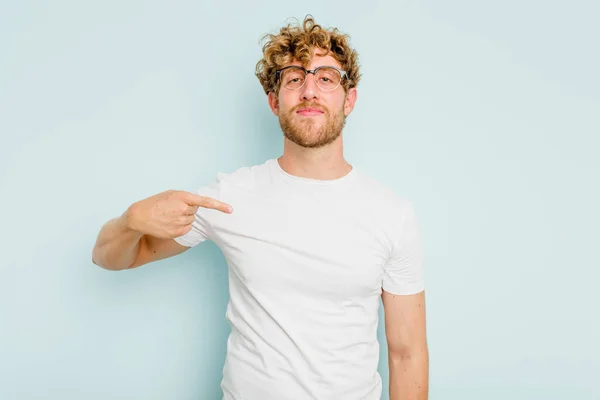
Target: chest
pixel 318 247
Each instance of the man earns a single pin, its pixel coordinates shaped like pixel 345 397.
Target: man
pixel 312 244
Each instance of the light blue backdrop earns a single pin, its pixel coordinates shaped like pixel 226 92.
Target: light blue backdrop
pixel 486 115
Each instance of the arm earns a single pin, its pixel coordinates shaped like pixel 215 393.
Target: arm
pixel 120 247
pixel 145 232
pixel 408 354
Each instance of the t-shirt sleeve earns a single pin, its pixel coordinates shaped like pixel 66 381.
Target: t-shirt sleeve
pixel 403 274
pixel 201 227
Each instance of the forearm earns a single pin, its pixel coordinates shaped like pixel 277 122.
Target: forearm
pixel 409 377
pixel 117 245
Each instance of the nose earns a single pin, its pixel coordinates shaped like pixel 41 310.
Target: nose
pixel 309 90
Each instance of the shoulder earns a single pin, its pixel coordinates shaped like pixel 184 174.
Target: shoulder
pixel 384 198
pixel 246 176
pixel 394 212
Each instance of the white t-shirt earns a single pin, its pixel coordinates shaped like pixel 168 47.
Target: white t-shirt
pixel 307 262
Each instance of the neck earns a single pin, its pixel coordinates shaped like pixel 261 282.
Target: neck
pixel 324 163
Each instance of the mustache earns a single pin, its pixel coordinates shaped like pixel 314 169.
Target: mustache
pixel 310 105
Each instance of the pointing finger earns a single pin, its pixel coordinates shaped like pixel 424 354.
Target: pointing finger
pixel 208 202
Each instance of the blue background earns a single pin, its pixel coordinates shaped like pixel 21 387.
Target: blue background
pixel 485 114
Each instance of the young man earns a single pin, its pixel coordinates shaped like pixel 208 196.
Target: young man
pixel 312 244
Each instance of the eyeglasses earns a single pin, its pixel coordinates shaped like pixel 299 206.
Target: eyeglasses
pixel 327 78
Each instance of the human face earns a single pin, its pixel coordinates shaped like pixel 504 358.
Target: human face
pixel 308 116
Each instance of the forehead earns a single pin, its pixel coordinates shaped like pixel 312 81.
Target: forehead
pixel 317 59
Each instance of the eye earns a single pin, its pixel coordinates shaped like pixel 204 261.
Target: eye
pixel 293 76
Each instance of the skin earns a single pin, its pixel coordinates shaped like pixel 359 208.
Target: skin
pixel 313 148
pixel 408 355
pixel 324 162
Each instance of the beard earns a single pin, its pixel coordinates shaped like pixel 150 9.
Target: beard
pixel 306 132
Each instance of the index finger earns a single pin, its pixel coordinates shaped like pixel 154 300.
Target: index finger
pixel 207 202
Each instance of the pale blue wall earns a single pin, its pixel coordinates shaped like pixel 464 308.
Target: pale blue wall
pixel 486 115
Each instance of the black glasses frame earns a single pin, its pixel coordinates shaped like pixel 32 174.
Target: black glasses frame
pixel 343 74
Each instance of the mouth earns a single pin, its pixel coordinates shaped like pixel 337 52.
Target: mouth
pixel 309 111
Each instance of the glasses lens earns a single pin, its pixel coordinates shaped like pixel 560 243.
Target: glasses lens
pixel 328 78
pixel 293 78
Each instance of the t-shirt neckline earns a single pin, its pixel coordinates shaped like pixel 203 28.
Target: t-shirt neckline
pixel 311 181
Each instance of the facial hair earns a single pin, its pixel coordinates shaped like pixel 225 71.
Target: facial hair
pixel 305 133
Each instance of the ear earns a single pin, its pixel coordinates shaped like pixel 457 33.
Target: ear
pixel 273 103
pixel 350 101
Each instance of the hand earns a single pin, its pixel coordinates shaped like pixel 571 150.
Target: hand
pixel 169 214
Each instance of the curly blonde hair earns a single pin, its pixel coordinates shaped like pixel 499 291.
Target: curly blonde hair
pixel 298 43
